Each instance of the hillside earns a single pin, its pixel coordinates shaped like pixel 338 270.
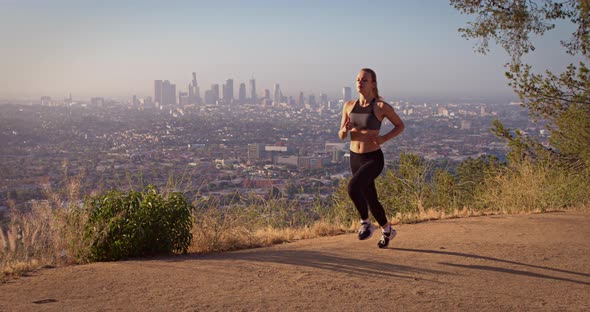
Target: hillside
pixel 495 263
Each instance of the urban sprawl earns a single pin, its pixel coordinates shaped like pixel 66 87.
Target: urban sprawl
pixel 218 144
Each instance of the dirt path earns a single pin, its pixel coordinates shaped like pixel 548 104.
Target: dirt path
pixel 496 263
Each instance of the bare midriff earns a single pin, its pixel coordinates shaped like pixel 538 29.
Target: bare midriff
pixel 362 141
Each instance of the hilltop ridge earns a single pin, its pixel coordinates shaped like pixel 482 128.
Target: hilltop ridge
pixel 506 262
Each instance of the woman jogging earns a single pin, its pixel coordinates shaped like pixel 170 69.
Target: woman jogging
pixel 362 118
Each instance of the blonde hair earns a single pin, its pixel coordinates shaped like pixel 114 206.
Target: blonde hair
pixel 374 77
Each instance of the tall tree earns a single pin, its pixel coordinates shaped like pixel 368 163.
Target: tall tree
pixel 564 98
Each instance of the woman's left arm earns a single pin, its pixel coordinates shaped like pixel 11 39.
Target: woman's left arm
pixel 388 112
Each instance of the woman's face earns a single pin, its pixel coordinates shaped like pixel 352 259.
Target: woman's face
pixel 364 83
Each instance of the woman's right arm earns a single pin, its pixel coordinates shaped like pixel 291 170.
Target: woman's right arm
pixel 344 123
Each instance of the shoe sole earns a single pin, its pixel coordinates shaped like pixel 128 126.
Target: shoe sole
pixel 370 234
pixel 389 239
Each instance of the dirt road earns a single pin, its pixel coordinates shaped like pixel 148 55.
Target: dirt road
pixel 495 263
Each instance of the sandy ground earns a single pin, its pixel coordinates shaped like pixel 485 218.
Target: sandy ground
pixel 495 263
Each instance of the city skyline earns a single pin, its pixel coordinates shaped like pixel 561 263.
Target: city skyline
pixel 119 49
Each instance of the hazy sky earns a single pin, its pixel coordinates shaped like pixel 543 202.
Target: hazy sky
pixel 118 48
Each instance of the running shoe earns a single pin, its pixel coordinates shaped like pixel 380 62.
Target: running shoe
pixel 386 237
pixel 366 230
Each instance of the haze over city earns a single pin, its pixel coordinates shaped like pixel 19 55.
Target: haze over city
pixel 117 49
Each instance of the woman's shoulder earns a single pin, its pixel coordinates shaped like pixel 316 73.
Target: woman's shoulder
pixel 349 104
pixel 383 105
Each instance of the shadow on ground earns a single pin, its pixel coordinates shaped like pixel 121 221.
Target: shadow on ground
pixel 317 260
pixel 499 269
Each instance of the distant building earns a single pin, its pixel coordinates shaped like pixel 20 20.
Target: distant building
pixel 277 94
pixel 164 92
pixel 312 103
pixel 168 93
pixel 301 100
pixel 266 102
pixel 275 151
pixel 255 151
pixel 443 112
pixel 135 101
pixel 228 91
pixel 465 124
pixel 46 101
pixel 148 102
pixel 194 94
pixel 223 93
pixel 484 111
pixel 209 99
pixel 277 148
pixel 242 93
pixel 215 93
pixel 329 147
pixel 313 162
pixel 286 160
pixel 323 100
pixel 253 95
pixel 158 92
pixel 226 162
pixel 346 94
pixel 184 99
pixel 97 102
pixel 337 156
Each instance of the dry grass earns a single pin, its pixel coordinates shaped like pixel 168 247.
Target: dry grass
pixel 432 214
pixel 214 234
pixel 32 239
pixel 269 236
pixel 44 235
pixel 528 187
pixel 214 231
pixel 49 234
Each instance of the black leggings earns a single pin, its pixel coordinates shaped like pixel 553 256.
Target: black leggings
pixel 366 168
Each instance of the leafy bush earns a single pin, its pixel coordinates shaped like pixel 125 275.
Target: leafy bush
pixel 445 192
pixel 340 210
pixel 472 174
pixel 122 225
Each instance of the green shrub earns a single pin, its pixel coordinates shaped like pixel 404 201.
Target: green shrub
pixel 445 192
pixel 472 174
pixel 122 225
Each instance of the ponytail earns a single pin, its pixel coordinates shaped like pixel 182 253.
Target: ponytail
pixel 374 77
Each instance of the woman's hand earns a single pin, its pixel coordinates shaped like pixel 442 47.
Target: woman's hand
pixel 347 124
pixel 377 139
pixel 346 127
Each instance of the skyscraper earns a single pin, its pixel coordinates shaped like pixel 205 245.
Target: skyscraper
pixel 277 94
pixel 323 100
pixel 215 91
pixel 253 96
pixel 224 93
pixel 194 94
pixel 168 93
pixel 164 92
pixel 228 93
pixel 255 151
pixel 158 92
pixel 242 93
pixel 209 97
pixel 346 94
pixel 301 101
pixel 311 101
